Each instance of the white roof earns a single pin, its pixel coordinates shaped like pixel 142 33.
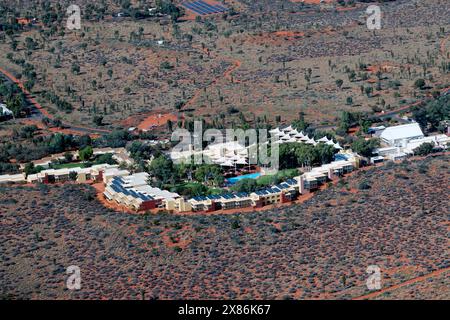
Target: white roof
pixel 4 110
pixel 275 131
pixel 12 178
pixel 156 192
pixel 405 131
pixel 324 139
pixel 437 140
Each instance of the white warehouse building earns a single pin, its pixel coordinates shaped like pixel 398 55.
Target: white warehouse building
pixel 400 136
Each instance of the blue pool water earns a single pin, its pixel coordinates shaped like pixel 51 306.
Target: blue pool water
pixel 247 176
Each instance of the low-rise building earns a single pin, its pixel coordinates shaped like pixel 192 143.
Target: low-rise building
pixel 13 178
pixel 134 192
pixel 440 141
pixel 94 173
pixel 399 136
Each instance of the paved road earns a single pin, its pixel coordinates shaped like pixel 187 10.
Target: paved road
pixel 380 116
pixel 39 112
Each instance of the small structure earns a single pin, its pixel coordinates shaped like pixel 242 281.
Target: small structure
pixel 374 130
pixel 5 113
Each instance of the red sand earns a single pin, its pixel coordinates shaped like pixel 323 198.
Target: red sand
pixel 157 120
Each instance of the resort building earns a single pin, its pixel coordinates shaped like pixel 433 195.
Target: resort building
pixel 13 178
pixel 289 134
pixel 228 154
pixel 399 136
pixel 134 192
pixel 121 155
pixel 440 141
pixel 401 141
pixel 94 173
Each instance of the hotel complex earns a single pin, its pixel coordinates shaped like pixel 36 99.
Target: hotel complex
pixel 134 192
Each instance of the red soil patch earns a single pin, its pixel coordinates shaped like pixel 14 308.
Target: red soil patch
pixel 100 188
pixel 289 34
pixel 179 241
pixel 157 120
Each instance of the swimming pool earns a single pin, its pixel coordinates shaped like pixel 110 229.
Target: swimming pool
pixel 246 176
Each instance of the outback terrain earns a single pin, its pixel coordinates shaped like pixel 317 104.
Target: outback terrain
pixel 319 249
pixel 138 70
pixel 268 59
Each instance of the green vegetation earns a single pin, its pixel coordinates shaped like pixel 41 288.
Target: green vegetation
pixel 185 179
pixel 424 149
pixel 365 147
pixel 431 116
pixel 294 155
pixel 14 99
pixel 69 165
pixel 86 153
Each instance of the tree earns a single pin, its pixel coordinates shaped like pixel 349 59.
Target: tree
pixel 432 115
pixel 245 185
pixel 349 101
pixel 75 68
pixel 161 168
pixel 365 147
pixel 29 168
pixel 73 175
pixel 209 173
pixel 424 149
pixel 339 83
pixel 85 153
pixel 68 157
pixel 368 91
pixel 419 84
pixel 98 120
pixel 105 158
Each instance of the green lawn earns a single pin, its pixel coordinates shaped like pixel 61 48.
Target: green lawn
pixel 69 165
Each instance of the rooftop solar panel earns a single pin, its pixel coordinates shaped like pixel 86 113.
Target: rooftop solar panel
pixel 242 194
pixel 209 8
pixel 115 188
pixel 203 8
pixel 195 8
